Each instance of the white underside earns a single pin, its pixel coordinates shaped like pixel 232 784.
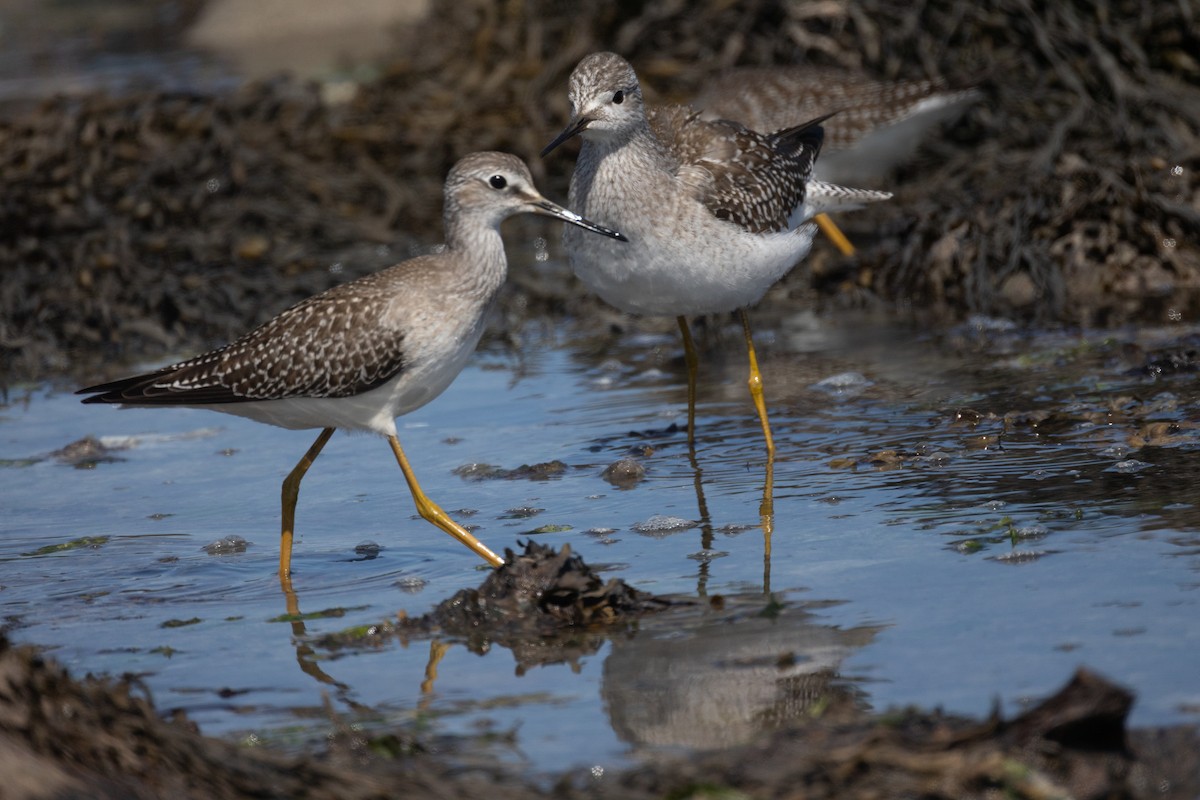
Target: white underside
pixel 675 275
pixel 679 260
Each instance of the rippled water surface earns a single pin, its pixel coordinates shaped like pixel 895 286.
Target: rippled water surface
pixel 959 516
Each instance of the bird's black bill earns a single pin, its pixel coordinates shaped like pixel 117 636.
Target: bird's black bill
pixel 574 129
pixel 558 212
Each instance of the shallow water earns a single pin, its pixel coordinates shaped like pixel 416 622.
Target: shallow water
pixel 982 561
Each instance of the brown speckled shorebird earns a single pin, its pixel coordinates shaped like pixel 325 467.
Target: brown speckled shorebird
pixel 877 126
pixel 359 355
pixel 715 212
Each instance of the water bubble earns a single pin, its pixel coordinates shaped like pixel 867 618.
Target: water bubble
pixel 521 512
pixel 1177 170
pixel 1174 314
pixel 661 524
pixel 1020 556
pixel 624 473
pixel 1169 243
pixel 213 185
pixel 843 384
pixel 411 584
pixel 1031 532
pixel 227 545
pixel 335 268
pixel 705 556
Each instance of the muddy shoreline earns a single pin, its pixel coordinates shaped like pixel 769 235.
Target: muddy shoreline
pixel 65 737
pixel 150 223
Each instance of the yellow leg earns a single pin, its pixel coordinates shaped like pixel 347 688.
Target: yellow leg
pixel 693 363
pixel 756 386
pixel 835 234
pixel 431 512
pixel 291 492
pixel 767 513
pixel 437 651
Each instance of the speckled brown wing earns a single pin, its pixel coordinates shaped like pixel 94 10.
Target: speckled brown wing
pixel 750 179
pixel 310 350
pixel 772 98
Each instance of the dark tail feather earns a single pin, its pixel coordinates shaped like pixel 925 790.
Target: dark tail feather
pixel 124 390
pixel 807 135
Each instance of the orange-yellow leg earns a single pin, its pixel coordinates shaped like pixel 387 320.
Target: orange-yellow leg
pixel 756 386
pixel 431 512
pixel 835 234
pixel 693 364
pixel 767 513
pixel 437 651
pixel 291 492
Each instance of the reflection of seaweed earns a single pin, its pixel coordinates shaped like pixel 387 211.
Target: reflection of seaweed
pixel 547 607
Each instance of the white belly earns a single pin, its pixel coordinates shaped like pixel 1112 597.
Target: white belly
pixel 679 260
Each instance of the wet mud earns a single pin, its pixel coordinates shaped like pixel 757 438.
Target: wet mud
pixel 65 737
pixel 147 223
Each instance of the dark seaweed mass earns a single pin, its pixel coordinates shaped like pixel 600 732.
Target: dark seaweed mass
pixel 65 738
pixel 138 224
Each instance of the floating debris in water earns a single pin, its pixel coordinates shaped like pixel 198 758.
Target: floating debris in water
pixel 603 535
pixel 661 525
pixel 521 512
pixel 1021 556
pixel 411 584
pixel 86 453
pixel 226 546
pixel 937 458
pixel 83 542
pixel 1172 362
pixel 624 474
pixel 1027 532
pixel 844 384
pixel 1129 466
pixel 367 551
pixel 533 472
pixel 705 556
pixel 1038 474
pixel 549 528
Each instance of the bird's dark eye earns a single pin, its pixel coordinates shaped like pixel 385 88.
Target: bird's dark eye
pixel 497 181
pixel 619 97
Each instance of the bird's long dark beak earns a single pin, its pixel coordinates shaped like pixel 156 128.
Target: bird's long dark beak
pixel 546 208
pixel 576 127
